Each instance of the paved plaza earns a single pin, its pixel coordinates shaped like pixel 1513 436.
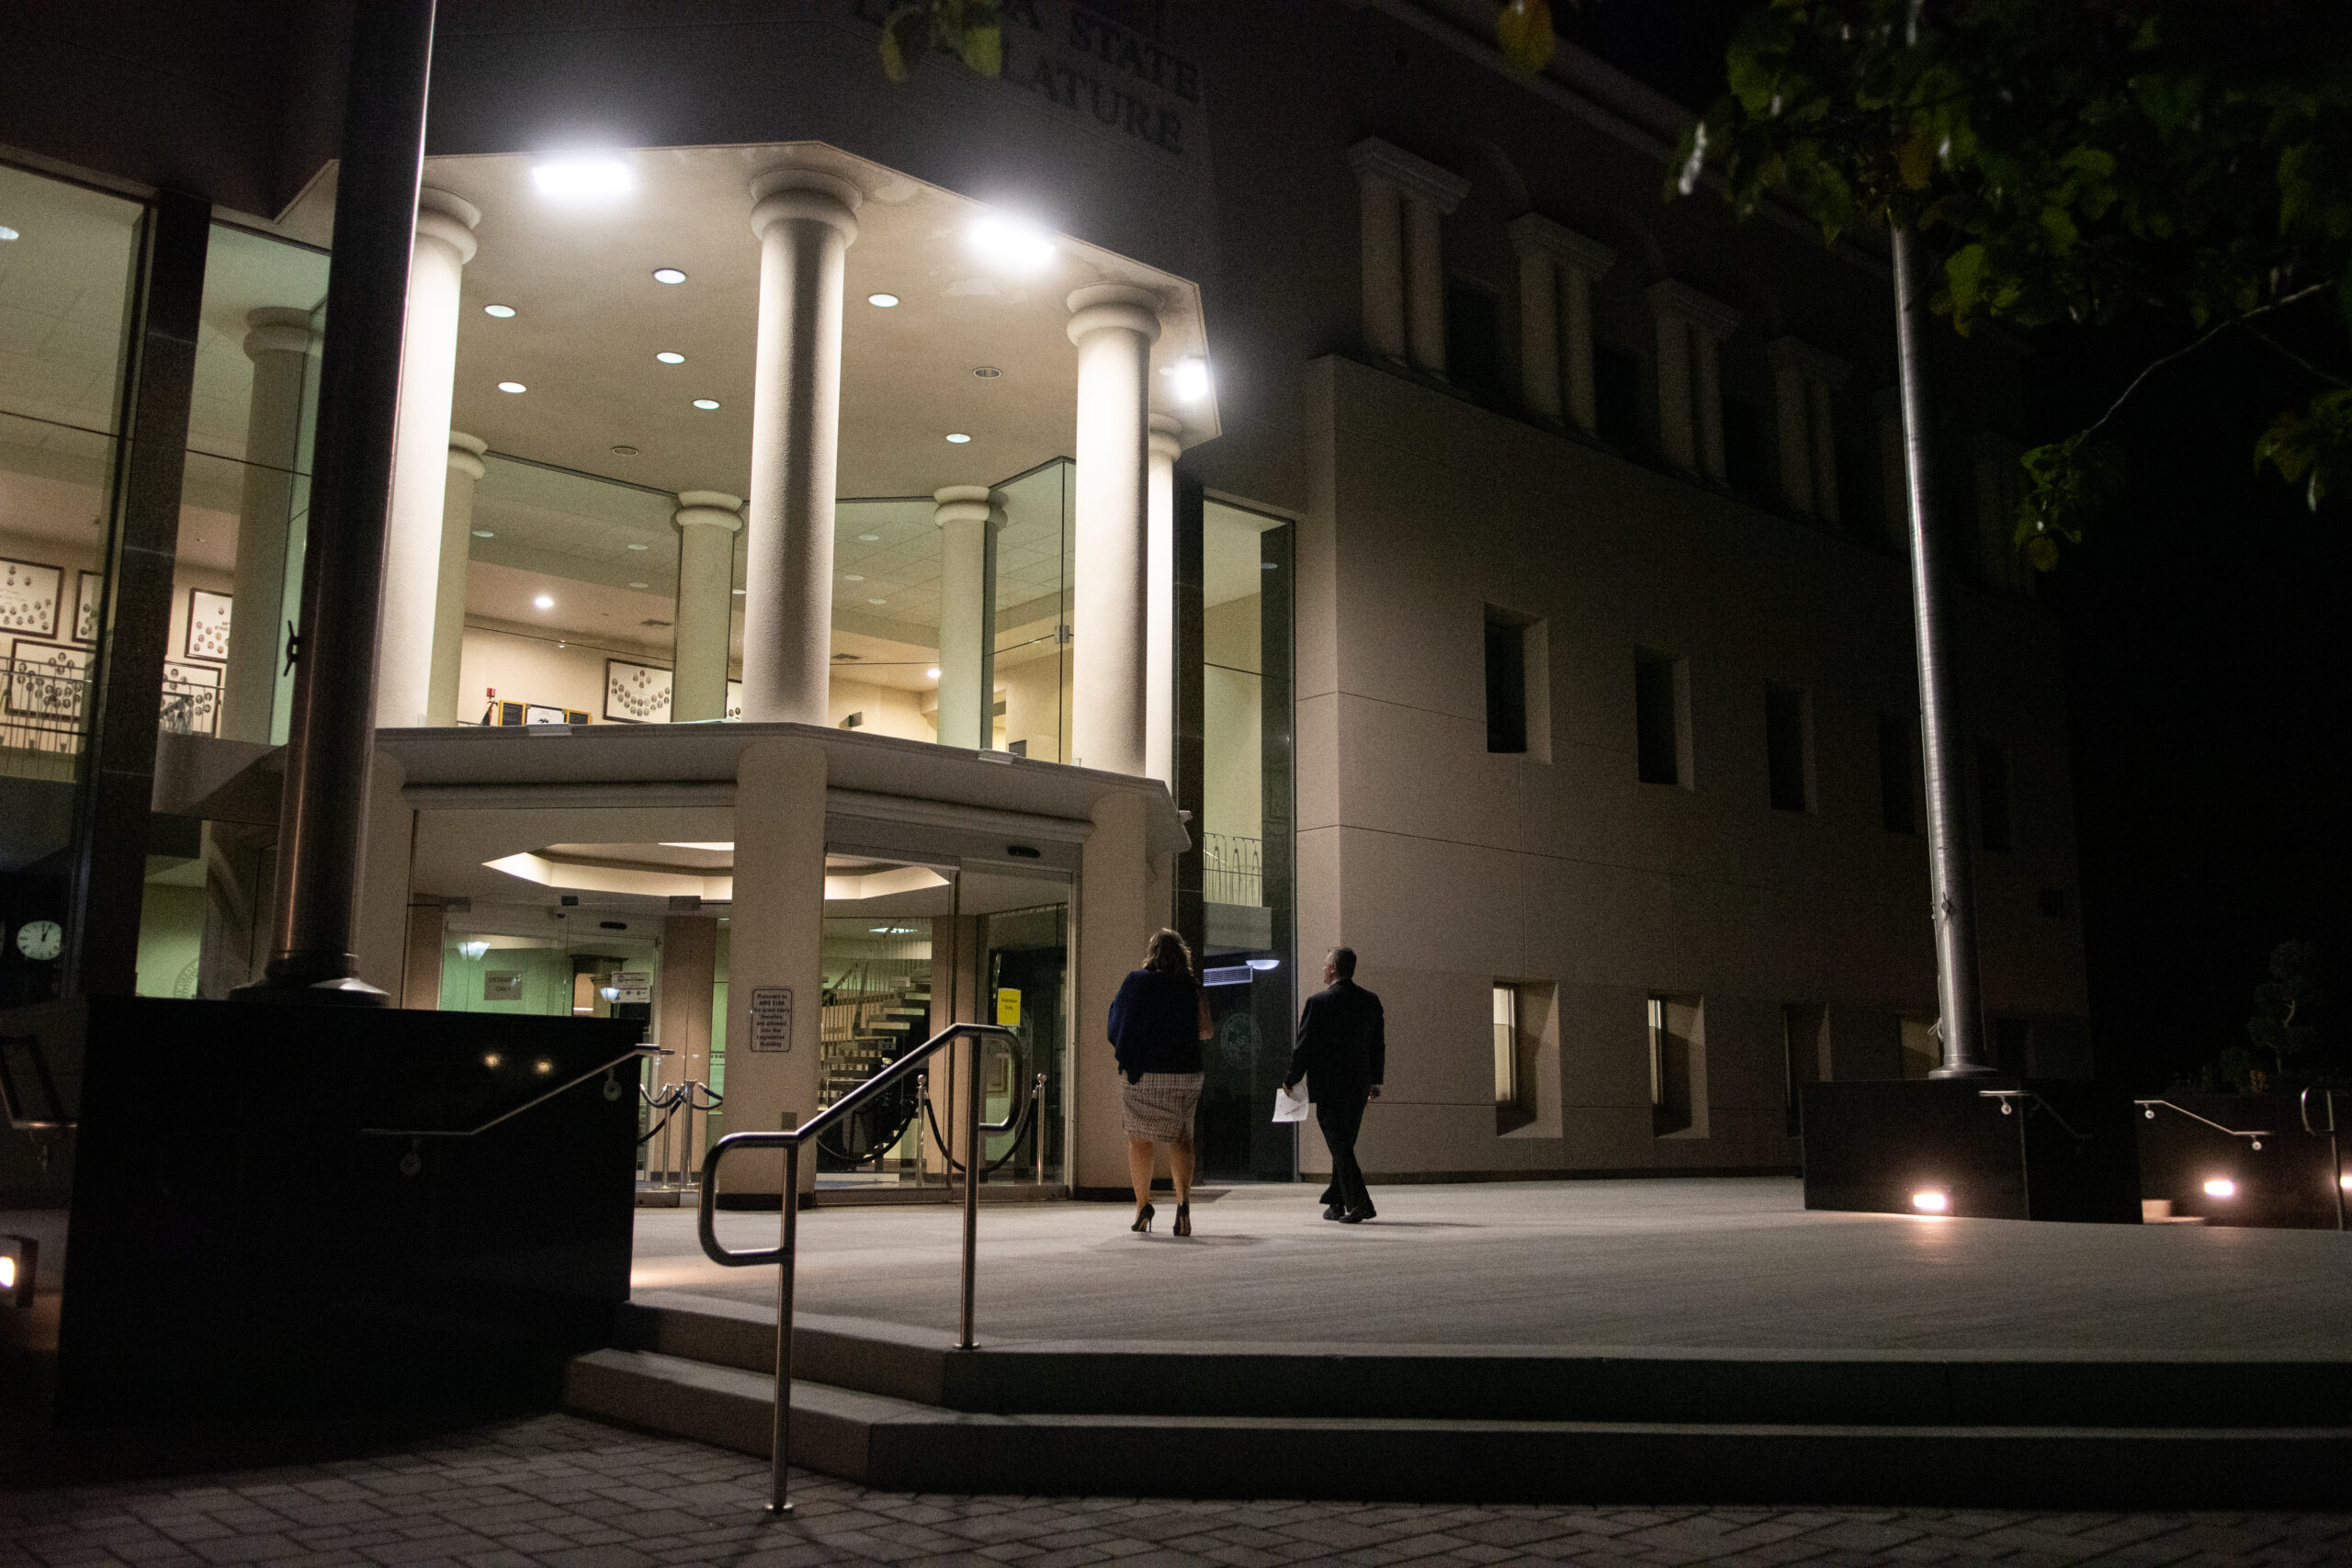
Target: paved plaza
pixel 569 1493
pixel 1690 1264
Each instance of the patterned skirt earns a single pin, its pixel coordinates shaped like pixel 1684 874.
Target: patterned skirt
pixel 1160 1107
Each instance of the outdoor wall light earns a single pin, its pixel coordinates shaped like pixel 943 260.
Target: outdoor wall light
pixel 1190 381
pixel 584 179
pixel 705 405
pixel 666 357
pixel 2221 1187
pixel 882 302
pixel 1930 1202
pixel 512 387
pixel 1012 244
pixel 19 1257
pixel 545 602
pixel 474 950
pixel 502 311
pixel 668 274
pixel 959 439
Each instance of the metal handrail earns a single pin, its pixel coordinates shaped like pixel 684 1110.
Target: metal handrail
pixel 633 1053
pixel 2253 1135
pixel 790 1140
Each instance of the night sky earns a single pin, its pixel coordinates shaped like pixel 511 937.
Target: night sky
pixel 2208 687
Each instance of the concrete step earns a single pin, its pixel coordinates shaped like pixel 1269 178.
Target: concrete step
pixel 905 1445
pixel 1542 1384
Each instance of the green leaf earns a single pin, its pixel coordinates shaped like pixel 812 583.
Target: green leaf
pixel 1524 31
pixel 906 39
pixel 1964 274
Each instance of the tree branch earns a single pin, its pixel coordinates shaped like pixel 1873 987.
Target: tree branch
pixel 2116 407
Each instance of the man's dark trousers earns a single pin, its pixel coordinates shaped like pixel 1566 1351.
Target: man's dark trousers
pixel 1340 1121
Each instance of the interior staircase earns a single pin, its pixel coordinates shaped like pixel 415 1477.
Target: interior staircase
pixel 902 1409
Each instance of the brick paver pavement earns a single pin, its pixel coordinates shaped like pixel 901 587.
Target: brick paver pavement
pixel 569 1492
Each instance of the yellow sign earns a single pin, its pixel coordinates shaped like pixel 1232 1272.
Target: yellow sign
pixel 1008 1009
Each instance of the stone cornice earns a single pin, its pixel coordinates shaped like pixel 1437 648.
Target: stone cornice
pixel 1374 159
pixel 1533 233
pixel 1808 361
pixel 1704 311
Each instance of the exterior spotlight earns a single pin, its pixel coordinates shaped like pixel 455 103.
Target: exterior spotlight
pixel 512 387
pixel 705 405
pixel 959 439
pixel 475 949
pixel 1011 243
pixel 1192 380
pixel 882 302
pixel 666 357
pixel 500 312
pixel 584 179
pixel 545 602
pixel 1930 1202
pixel 668 274
pixel 932 673
pixel 2221 1187
pixel 19 1255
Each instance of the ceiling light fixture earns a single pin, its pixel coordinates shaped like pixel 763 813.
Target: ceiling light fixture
pixel 1012 244
pixel 668 274
pixel 589 178
pixel 512 386
pixel 545 602
pixel 957 439
pixel 7 233
pixel 706 403
pixel 738 594
pixel 932 673
pixel 666 357
pixel 883 301
pixel 987 372
pixel 869 538
pixel 641 585
pixel 484 534
pixel 852 577
pixel 624 451
pixel 877 601
pixel 640 547
pixel 500 312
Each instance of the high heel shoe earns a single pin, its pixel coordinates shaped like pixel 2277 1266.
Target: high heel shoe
pixel 1143 1220
pixel 1183 1219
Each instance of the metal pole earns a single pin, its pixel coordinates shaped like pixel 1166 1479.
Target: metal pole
pixel 1961 1026
pixel 322 816
pixel 780 1434
pixel 972 1162
pixel 922 1115
pixel 1037 1129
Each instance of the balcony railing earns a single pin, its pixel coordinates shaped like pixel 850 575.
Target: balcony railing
pixel 45 714
pixel 1233 870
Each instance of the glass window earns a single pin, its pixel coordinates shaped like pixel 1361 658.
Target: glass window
pixel 1657 718
pixel 1474 338
pixel 1505 682
pixel 1616 394
pixel 1674 1067
pixel 67 262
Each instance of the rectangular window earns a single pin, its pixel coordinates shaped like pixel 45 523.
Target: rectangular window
pixel 1474 338
pixel 1898 753
pixel 1616 395
pixel 1659 754
pixel 1506 1023
pixel 1784 748
pixel 1672 1063
pixel 1744 446
pixel 1993 824
pixel 1506 686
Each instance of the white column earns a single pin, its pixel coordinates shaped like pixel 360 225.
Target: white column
pixel 968 518
pixel 707 522
pixel 1539 332
pixel 1425 282
pixel 1113 326
pixel 1676 438
pixel 279 342
pixel 1707 395
pixel 444 243
pixel 1160 616
pixel 777 945
pixel 449 596
pixel 1825 452
pixel 805 222
pixel 1383 266
pixel 1792 413
pixel 1576 311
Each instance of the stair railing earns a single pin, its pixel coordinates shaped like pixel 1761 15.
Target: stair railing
pixel 790 1140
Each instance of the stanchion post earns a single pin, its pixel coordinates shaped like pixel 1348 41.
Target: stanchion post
pixel 780 1436
pixel 1037 1127
pixel 973 1161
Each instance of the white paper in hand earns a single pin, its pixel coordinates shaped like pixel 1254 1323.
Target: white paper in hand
pixel 1289 1106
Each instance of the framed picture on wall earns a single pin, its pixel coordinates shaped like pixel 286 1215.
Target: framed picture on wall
pixel 29 595
pixel 89 599
pixel 539 713
pixel 207 625
pixel 48 681
pixel 636 694
pixel 191 699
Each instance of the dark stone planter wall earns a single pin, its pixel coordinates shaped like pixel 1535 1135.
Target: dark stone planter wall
pixel 2289 1183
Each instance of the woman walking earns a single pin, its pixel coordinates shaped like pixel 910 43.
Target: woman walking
pixel 1157 1021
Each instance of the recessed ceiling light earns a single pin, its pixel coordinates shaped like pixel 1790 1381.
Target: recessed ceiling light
pixel 640 547
pixel 512 386
pixel 958 439
pixel 868 538
pixel 877 601
pixel 583 178
pixel 738 594
pixel 668 274
pixel 884 301
pixel 852 577
pixel 706 402
pixel 641 585
pixel 932 673
pixel 666 357
pixel 500 312
pixel 484 534
pixel 543 602
pixel 7 233
pixel 624 451
pixel 987 372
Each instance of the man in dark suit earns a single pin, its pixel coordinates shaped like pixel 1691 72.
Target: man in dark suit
pixel 1342 1052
